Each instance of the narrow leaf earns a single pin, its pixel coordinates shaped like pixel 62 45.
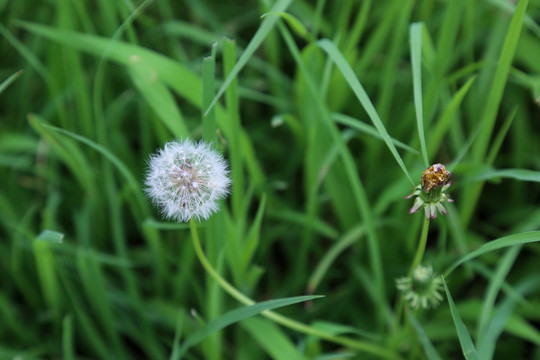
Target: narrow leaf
pixel 469 351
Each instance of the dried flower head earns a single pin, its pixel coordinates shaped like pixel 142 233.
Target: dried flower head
pixel 422 288
pixel 186 180
pixel 431 192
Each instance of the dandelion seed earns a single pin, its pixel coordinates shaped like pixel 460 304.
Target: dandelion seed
pixel 186 180
pixel 431 192
pixel 422 288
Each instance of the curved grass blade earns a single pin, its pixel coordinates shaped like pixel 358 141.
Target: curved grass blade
pixel 469 351
pixel 9 80
pixel 266 26
pixel 134 185
pixel 495 284
pixel 515 239
pixel 368 129
pixel 416 61
pixel 236 315
pixel 429 350
pixel 330 48
pixel 517 174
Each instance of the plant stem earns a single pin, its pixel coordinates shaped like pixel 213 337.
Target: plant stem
pixel 421 247
pixel 280 319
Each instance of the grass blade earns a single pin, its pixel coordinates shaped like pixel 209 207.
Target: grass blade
pixel 236 315
pixel 330 48
pixel 510 240
pixel 9 80
pixel 416 60
pixel 429 350
pixel 469 351
pixel 266 26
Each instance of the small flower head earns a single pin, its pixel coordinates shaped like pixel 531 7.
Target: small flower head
pixel 422 288
pixel 186 180
pixel 431 192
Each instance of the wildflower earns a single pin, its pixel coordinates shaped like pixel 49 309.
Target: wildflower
pixel 431 193
pixel 422 288
pixel 186 180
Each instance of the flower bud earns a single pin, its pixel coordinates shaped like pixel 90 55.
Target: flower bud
pixel 431 192
pixel 422 288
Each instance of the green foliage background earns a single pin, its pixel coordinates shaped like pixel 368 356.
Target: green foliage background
pixel 324 138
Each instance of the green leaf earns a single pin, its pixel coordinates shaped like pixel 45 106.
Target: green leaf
pixel 499 80
pixel 367 129
pixel 330 48
pixel 9 80
pixel 157 96
pixel 469 351
pixel 257 39
pixel 416 61
pixel 50 236
pixel 429 350
pixel 272 339
pixel 234 316
pixel 293 22
pixel 510 240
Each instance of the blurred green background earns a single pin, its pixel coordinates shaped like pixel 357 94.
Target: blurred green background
pixel 89 269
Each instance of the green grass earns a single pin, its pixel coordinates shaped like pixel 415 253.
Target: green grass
pixel 328 112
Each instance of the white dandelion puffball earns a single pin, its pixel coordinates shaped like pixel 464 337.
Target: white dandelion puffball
pixel 186 180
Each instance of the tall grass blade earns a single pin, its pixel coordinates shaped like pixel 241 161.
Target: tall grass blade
pixel 467 346
pixel 416 61
pixel 330 48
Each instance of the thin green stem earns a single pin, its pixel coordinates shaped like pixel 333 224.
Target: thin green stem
pixel 421 247
pixel 280 319
pixel 416 261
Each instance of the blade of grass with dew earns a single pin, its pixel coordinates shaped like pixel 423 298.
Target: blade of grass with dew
pixel 429 350
pixel 467 346
pixel 510 240
pixel 493 103
pixel 330 48
pixel 208 79
pixel 237 315
pixel 494 287
pixel 368 129
pixel 9 80
pixel 270 337
pixel 263 30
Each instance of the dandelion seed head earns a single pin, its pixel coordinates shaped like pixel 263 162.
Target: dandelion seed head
pixel 186 180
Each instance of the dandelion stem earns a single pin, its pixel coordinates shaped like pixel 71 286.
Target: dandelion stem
pixel 280 319
pixel 421 247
